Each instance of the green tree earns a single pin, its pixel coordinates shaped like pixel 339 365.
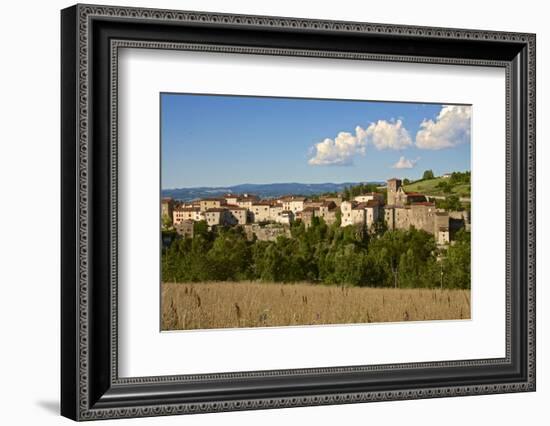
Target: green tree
pixel 456 262
pixel 428 174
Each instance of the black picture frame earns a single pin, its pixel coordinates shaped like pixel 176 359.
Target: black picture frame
pixel 90 386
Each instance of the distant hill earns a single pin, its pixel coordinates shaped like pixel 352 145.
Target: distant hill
pixel 269 190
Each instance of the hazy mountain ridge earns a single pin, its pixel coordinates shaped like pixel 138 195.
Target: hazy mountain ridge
pixel 268 190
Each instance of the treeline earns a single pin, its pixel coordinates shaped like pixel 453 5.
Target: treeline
pixel 353 191
pixel 320 254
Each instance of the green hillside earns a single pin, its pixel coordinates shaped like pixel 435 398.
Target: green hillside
pixel 451 186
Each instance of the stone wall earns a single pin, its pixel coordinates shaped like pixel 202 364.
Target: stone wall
pixel 266 233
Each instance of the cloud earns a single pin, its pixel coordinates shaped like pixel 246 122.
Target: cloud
pixel 451 128
pixel 404 163
pixel 338 151
pixel 341 150
pixel 387 135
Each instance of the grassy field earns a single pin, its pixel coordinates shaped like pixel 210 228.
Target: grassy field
pixel 428 187
pixel 253 304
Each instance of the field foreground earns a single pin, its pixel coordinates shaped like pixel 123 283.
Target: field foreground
pixel 189 306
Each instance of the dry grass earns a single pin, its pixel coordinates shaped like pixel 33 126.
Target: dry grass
pixel 253 304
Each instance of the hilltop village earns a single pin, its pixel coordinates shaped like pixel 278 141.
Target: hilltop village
pixel 266 219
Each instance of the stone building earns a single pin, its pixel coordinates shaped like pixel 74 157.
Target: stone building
pixel 308 214
pixel 275 211
pixel 422 216
pixel 397 196
pixel 327 211
pixel 259 211
pixel 369 196
pixel 293 203
pixel 185 228
pixel 372 212
pixel 315 204
pixel 211 203
pixel 353 213
pixel 236 215
pixel 246 200
pixel 186 213
pixel 286 217
pixel 217 216
pixel 231 198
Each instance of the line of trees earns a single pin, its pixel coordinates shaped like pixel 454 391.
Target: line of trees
pixel 352 191
pixel 320 254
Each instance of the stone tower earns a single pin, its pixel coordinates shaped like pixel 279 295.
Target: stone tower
pixel 394 185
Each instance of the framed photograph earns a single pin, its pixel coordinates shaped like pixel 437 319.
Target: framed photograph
pixel 263 212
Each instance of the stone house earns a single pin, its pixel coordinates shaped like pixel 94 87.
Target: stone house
pixel 372 211
pixel 308 214
pixel 314 204
pixel 237 215
pixel 231 198
pixel 353 213
pixel 422 216
pixel 211 203
pixel 286 217
pixel 185 228
pixel 293 203
pixel 187 213
pixel 260 211
pixel 217 216
pixel 246 200
pixel 369 196
pixel 275 211
pixel 328 212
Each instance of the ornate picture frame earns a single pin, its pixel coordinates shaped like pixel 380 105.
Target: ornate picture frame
pixel 90 39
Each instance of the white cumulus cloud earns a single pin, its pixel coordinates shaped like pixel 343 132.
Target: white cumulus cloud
pixel 338 151
pixel 341 150
pixel 387 135
pixel 450 128
pixel 404 163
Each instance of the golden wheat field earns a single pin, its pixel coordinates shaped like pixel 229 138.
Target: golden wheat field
pixel 188 306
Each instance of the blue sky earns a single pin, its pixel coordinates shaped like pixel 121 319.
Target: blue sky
pixel 209 140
